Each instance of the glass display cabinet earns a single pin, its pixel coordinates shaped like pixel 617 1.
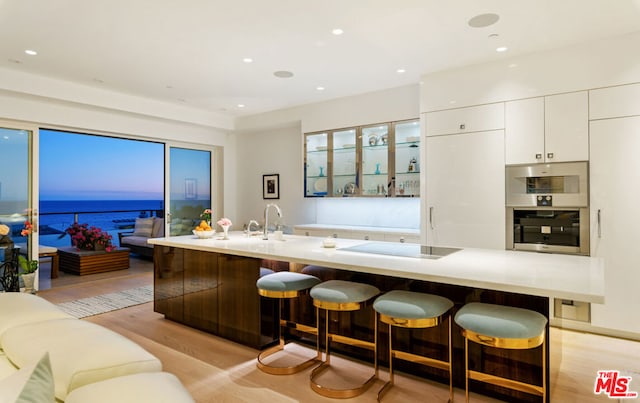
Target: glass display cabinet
pixel 375 160
pixel 379 160
pixel 407 159
pixel 316 164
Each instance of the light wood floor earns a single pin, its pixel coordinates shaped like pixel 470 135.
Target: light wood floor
pixel 216 370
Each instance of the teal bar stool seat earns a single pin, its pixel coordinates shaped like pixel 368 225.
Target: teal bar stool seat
pixel 285 285
pixel 506 328
pixel 414 310
pixel 342 296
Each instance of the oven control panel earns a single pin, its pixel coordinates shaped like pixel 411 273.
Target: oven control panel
pixel 544 201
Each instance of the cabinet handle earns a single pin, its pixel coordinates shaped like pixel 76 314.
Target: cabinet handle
pixel 539 156
pixel 335 235
pixel 366 237
pixel 401 239
pixel 306 233
pixel 463 126
pixel 549 155
pixel 599 223
pixel 431 217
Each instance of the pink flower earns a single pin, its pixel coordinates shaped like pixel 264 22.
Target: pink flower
pixel 223 222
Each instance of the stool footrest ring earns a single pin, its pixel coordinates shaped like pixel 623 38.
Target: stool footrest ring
pixel 509 383
pixel 352 342
pixel 432 362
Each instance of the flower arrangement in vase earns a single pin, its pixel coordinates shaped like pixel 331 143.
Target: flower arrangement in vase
pixel 225 223
pixel 85 237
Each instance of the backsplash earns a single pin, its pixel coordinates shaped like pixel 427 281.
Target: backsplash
pixel 370 212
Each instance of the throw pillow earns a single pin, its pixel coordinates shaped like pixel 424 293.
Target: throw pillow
pixel 143 227
pixel 32 383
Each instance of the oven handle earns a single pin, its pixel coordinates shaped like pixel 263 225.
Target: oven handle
pixel 599 223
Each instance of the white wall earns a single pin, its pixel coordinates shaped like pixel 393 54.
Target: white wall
pixel 272 143
pixel 602 63
pixel 275 151
pixel 370 212
pixel 399 103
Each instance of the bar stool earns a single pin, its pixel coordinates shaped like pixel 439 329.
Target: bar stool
pixel 342 296
pixel 414 310
pixel 281 285
pixel 507 328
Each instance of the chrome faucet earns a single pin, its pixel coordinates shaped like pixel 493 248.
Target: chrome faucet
pixel 252 222
pixel 266 218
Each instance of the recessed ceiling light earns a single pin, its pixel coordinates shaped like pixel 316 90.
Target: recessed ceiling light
pixel 320 88
pixel 337 31
pixel 241 105
pixel 247 60
pixel 512 65
pixel 452 102
pixel 502 49
pixel 283 74
pixel 483 20
pixel 400 71
pixel 31 52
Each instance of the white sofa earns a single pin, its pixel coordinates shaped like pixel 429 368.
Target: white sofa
pixel 46 352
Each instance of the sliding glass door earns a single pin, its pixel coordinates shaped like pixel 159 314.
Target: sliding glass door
pixel 18 189
pixel 189 187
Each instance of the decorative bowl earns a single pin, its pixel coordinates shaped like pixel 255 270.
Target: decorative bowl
pixel 204 234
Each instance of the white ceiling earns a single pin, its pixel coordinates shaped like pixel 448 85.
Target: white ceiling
pixel 190 52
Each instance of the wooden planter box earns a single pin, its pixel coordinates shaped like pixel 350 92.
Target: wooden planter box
pixel 83 262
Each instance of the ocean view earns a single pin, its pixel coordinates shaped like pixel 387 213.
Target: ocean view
pixel 111 215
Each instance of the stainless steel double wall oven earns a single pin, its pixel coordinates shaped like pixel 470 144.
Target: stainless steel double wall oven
pixel 548 207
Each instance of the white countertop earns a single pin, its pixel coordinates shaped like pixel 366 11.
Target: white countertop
pixel 579 278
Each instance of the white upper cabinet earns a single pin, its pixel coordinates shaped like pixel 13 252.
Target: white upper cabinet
pixel 524 134
pixel 614 102
pixel 554 128
pixel 566 126
pixel 465 120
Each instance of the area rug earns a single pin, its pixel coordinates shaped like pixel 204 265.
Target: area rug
pixel 81 308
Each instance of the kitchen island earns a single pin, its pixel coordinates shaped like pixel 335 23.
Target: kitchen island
pixel 210 284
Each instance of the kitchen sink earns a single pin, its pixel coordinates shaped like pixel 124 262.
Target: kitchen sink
pixel 401 249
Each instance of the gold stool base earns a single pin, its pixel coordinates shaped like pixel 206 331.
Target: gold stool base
pixel 338 393
pixel 274 370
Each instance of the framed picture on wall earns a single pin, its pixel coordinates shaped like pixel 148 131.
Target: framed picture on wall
pixel 271 186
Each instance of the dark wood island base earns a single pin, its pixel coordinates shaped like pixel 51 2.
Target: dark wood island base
pixel 217 293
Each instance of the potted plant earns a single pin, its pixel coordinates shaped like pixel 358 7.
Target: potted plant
pixel 85 237
pixel 29 268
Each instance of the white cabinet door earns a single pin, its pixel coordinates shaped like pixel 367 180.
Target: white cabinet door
pixel 465 190
pixel 465 120
pixel 614 102
pixel 615 191
pixel 567 127
pixel 524 131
